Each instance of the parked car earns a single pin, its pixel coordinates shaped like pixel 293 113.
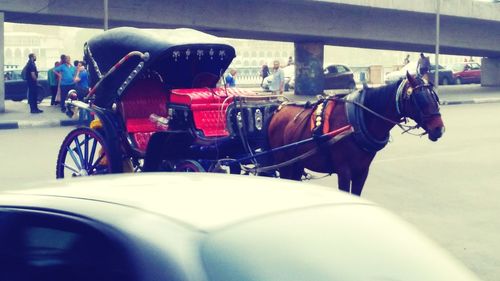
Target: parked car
pixel 16 88
pixel 466 72
pixel 445 75
pixel 336 77
pixel 339 76
pixel 207 227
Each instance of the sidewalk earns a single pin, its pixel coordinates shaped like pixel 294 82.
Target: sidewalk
pixel 17 114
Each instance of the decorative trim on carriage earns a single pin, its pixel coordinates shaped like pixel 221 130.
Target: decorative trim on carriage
pixel 355 116
pixel 92 60
pixel 131 77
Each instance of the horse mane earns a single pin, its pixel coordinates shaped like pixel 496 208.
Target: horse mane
pixel 373 95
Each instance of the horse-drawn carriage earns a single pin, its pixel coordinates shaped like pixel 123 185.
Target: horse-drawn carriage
pixel 157 105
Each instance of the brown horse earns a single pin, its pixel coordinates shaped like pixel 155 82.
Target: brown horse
pixel 372 113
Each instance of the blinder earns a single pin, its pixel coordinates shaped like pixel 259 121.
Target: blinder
pixel 423 98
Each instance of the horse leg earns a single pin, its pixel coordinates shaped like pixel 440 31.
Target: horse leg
pixel 344 180
pixel 358 181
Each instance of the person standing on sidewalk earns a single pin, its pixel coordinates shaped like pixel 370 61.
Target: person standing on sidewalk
pixel 231 78
pixel 278 79
pixel 32 79
pixel 53 83
pixel 65 72
pixel 264 72
pixel 424 66
pixel 81 80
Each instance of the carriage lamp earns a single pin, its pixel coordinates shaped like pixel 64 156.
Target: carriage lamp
pixel 239 119
pixel 72 95
pixel 258 119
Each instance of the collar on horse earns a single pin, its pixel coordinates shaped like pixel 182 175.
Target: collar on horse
pixel 355 116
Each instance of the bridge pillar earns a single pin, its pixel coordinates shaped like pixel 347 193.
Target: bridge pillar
pixel 309 68
pixel 2 82
pixel 490 72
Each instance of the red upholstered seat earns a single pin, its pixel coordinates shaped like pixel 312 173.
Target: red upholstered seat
pixel 145 97
pixel 209 107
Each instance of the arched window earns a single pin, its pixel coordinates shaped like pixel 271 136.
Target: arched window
pixel 8 56
pixel 17 55
pixel 26 53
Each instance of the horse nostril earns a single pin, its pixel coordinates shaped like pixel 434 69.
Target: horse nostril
pixel 438 132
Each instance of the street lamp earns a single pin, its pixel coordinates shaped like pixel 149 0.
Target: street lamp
pixel 436 64
pixel 105 15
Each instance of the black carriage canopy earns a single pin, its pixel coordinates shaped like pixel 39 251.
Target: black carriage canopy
pixel 184 58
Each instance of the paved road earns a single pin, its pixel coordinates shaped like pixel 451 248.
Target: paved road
pixel 448 189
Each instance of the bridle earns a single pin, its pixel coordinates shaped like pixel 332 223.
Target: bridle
pixel 417 97
pixel 404 94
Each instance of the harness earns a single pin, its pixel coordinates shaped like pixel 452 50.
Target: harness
pixel 355 116
pixel 320 126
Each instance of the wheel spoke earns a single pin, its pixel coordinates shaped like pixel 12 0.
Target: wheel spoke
pixel 92 151
pixel 71 168
pixel 96 162
pixel 86 149
pixel 72 154
pixel 80 154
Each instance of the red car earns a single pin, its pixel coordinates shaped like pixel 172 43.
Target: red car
pixel 466 72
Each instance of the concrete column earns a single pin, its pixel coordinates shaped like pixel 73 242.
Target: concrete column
pixel 490 72
pixel 2 82
pixel 309 77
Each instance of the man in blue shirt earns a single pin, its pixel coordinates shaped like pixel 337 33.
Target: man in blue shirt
pixel 230 78
pixel 66 72
pixel 82 80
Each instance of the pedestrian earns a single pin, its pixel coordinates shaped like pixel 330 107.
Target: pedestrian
pixel 423 66
pixel 264 72
pixel 31 77
pixel 53 83
pixel 290 61
pixel 66 72
pixel 278 80
pixel 407 59
pixel 82 80
pixel 231 78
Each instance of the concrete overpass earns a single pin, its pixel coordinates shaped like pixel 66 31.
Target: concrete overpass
pixel 468 27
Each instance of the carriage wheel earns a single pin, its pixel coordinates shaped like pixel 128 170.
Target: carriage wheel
pixel 189 166
pixel 84 152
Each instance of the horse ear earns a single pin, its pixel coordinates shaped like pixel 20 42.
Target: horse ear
pixel 413 82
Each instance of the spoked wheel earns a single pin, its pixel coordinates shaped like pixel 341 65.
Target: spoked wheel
pixel 188 166
pixel 84 152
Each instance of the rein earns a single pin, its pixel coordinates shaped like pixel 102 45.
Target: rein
pixel 405 128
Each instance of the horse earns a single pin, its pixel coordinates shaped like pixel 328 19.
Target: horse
pixel 371 112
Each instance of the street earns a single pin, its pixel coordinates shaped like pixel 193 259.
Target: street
pixel 447 189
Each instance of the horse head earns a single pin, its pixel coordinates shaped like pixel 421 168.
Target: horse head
pixel 419 101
